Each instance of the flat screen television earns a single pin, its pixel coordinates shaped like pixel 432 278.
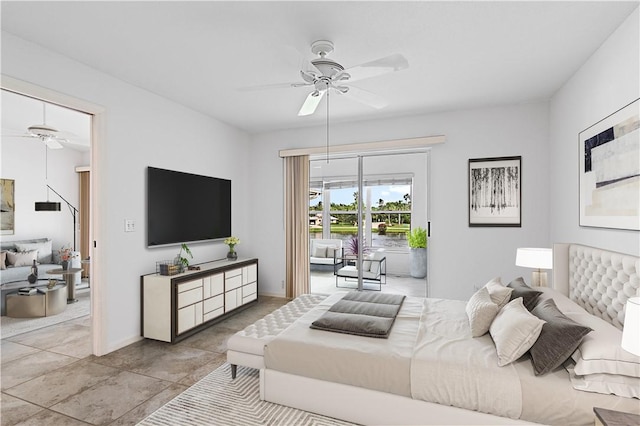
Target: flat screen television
pixel 184 207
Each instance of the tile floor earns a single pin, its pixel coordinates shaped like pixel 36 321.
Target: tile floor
pixel 49 377
pixel 324 282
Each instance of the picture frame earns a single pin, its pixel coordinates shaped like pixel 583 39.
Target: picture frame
pixel 609 171
pixel 495 191
pixel 7 207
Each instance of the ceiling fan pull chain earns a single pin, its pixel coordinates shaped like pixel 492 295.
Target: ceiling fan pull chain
pixel 327 125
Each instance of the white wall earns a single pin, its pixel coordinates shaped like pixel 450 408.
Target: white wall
pixel 141 129
pixel 460 257
pixel 605 83
pixel 23 160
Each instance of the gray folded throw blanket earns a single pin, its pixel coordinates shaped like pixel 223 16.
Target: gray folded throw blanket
pixel 362 314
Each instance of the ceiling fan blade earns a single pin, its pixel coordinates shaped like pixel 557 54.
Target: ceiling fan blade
pixel 311 103
pixel 271 86
pixel 52 143
pixel 364 97
pixel 395 62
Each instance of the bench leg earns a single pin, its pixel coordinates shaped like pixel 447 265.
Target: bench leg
pixel 234 369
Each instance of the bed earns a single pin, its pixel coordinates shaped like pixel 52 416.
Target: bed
pixel 430 370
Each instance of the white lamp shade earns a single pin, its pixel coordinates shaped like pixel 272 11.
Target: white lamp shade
pixel 631 330
pixel 537 258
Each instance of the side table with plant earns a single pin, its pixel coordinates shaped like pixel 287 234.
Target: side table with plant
pixel 417 239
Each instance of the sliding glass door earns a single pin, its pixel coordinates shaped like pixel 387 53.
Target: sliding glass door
pixel 364 206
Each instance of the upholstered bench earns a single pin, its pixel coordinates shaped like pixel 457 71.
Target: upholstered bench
pixel 246 347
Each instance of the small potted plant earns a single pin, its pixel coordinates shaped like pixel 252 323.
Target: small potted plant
pixel 181 260
pixel 417 239
pixel 231 242
pixel 382 228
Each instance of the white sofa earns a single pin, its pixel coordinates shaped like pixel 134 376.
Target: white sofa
pixel 48 259
pixel 325 252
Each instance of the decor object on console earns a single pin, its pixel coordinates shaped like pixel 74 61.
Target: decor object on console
pixel 417 240
pixel 181 261
pixel 495 194
pixel 631 330
pixel 536 258
pixel 609 164
pixel 231 242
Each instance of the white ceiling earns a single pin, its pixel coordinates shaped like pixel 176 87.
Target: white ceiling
pixel 461 54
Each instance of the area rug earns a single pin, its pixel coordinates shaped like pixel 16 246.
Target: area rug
pixel 219 400
pixel 10 327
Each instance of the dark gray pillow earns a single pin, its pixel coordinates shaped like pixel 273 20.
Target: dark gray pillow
pixel 529 295
pixel 559 338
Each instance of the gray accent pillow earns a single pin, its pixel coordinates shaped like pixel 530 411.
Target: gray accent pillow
pixel 559 338
pixel 529 295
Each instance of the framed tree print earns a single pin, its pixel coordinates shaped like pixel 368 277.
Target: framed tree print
pixel 7 207
pixel 610 171
pixel 495 191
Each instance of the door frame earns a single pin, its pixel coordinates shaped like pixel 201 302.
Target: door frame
pixel 97 112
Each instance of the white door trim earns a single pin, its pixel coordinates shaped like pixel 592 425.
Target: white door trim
pixel 98 291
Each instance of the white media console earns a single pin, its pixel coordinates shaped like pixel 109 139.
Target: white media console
pixel 175 307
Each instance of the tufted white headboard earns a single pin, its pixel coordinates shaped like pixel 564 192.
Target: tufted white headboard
pixel 599 280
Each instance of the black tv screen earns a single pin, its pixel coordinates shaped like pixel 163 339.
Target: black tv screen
pixel 184 207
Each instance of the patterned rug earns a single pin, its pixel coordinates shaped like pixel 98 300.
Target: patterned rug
pixel 10 327
pixel 219 400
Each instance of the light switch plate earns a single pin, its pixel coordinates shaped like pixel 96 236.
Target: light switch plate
pixel 129 225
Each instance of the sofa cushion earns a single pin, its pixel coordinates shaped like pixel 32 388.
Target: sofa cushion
pixel 44 249
pixel 22 258
pixel 3 259
pixel 319 251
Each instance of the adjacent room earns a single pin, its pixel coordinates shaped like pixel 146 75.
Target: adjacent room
pixel 350 212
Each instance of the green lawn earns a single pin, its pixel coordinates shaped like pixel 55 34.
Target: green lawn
pixel 350 229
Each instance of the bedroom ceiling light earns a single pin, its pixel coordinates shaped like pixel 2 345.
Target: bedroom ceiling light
pixel 631 330
pixel 536 258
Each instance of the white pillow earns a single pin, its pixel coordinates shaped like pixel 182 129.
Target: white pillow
pixel 500 294
pixel 44 248
pixel 331 251
pixel 366 264
pixel 3 259
pixel 514 331
pixel 319 251
pixel 375 266
pixel 22 258
pixel 615 384
pixel 481 312
pixel 600 351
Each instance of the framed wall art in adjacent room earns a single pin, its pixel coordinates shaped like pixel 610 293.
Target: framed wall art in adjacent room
pixel 610 171
pixel 495 191
pixel 7 207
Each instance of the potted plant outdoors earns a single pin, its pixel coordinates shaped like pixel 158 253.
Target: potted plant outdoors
pixel 417 239
pixel 231 242
pixel 382 228
pixel 181 260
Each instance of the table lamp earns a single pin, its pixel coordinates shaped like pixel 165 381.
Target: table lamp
pixel 631 330
pixel 536 258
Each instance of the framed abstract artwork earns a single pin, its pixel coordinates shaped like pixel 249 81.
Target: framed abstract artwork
pixel 495 191
pixel 610 171
pixel 7 206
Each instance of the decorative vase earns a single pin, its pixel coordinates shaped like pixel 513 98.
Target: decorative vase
pixel 33 276
pixel 65 264
pixel 418 262
pixel 232 255
pixel 32 279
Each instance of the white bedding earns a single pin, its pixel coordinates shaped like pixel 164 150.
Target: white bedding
pixel 430 355
pixel 452 368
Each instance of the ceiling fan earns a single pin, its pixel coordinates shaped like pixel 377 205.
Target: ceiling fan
pixel 48 135
pixel 324 74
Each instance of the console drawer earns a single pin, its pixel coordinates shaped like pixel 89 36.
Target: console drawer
pixel 189 297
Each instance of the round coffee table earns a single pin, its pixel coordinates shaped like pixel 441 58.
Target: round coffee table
pixel 70 278
pixel 46 302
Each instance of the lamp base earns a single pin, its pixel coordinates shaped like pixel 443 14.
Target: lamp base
pixel 539 279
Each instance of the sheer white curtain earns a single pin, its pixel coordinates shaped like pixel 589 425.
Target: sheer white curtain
pixel 296 188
